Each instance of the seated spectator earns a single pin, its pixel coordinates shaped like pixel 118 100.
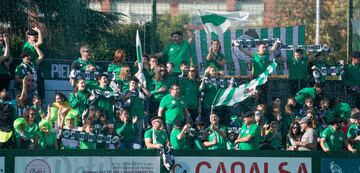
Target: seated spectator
pixel 353 133
pixel 272 139
pixel 309 138
pixel 308 106
pixel 23 138
pixel 87 127
pixel 293 137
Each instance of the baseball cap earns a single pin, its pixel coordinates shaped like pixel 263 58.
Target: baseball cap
pixel 305 120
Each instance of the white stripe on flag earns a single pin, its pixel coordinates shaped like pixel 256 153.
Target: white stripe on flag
pixel 221 39
pixel 235 60
pixel 198 48
pixel 295 35
pixel 225 95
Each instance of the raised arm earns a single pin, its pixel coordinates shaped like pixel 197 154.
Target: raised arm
pixel 189 33
pixel 40 53
pixel 40 37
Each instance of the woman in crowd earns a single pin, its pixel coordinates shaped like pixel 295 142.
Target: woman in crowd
pixel 158 88
pixel 47 138
pixel 190 90
pixel 125 127
pixel 115 67
pixel 79 98
pixel 209 92
pixel 293 135
pixel 215 58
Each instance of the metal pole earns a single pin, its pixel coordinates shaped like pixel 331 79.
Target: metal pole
pixel 349 30
pixel 153 28
pixel 317 36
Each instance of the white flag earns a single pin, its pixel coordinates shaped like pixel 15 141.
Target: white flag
pixel 219 21
pixel 140 74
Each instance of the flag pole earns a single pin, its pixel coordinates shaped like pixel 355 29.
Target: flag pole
pixel 212 104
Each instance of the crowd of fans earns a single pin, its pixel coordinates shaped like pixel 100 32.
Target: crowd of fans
pixel 111 108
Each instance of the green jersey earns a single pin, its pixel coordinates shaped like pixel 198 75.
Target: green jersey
pixel 29 49
pixel 252 130
pixel 177 53
pixel 220 140
pixel 126 130
pixel 81 64
pixel 213 62
pixel 156 136
pixel 173 108
pixel 190 92
pixel 334 140
pixel 46 140
pixel 297 68
pixel 154 87
pixel 260 63
pixel 115 69
pixel 79 101
pixel 304 93
pixel 184 143
pixel 350 77
pixel 210 92
pixel 352 133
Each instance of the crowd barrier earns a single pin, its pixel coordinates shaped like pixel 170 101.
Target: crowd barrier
pixel 187 161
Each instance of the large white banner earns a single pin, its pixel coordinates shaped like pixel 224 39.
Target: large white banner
pixel 242 165
pixel 90 164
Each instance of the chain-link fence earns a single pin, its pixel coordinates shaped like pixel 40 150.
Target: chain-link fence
pixel 110 24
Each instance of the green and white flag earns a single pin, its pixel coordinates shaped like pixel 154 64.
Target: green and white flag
pixel 238 63
pixel 230 95
pixel 219 21
pixel 140 74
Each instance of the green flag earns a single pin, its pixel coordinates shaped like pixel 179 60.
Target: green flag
pixel 230 95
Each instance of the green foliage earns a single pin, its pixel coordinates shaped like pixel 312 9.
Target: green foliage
pixel 167 24
pixel 332 26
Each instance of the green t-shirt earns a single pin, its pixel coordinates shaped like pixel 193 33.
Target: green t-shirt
pixel 154 87
pixel 156 136
pixel 334 141
pixel 29 49
pixel 304 93
pixel 190 92
pixel 178 53
pixel 136 106
pixel 252 130
pixel 173 108
pixel 342 110
pixel 352 133
pixel 350 77
pixel 210 92
pixel 33 130
pixel 216 57
pixel 126 130
pixel 79 101
pixel 87 145
pixel 184 143
pixel 220 140
pixel 46 141
pixel 81 64
pixel 260 63
pixel 114 68
pixel 297 68
pixel 23 69
pixel 124 84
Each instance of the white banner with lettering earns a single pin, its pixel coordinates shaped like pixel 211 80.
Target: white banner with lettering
pixel 242 165
pixel 2 164
pixel 82 164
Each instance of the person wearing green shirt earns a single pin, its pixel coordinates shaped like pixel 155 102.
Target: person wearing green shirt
pixel 85 145
pixel 79 98
pixel 316 63
pixel 158 88
pixel 189 87
pixel 209 92
pixel 115 67
pixel 173 107
pixel 156 138
pixel 84 63
pixel 22 135
pixel 260 61
pixel 297 65
pixel 351 79
pixel 304 93
pixel 124 78
pixel 333 139
pixel 216 140
pixel 5 61
pixel 47 138
pixel 34 41
pixel 249 135
pixel 102 96
pixel 215 58
pixel 171 76
pixel 134 100
pixel 179 50
pixel 353 133
pixel 125 127
pixel 179 138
